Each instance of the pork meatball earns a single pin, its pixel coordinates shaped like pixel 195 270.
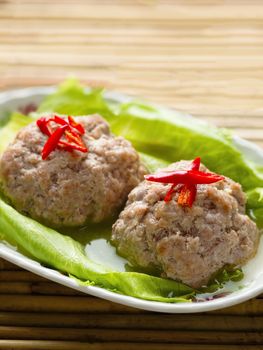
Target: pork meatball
pixel 70 188
pixel 188 244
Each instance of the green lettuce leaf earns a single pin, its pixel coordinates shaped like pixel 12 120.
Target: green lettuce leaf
pixel 67 255
pixel 226 274
pixel 255 205
pixel 71 98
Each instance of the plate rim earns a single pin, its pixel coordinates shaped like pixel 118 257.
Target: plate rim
pixel 13 256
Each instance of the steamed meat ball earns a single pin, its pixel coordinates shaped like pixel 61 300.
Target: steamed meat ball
pixel 70 188
pixel 188 244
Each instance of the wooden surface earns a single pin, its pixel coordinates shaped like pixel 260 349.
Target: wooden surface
pixel 203 57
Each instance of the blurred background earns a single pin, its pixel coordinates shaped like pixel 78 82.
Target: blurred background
pixel 200 56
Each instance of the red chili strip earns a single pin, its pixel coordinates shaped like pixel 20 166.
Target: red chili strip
pixel 199 177
pixel 72 146
pixel 72 126
pixel 71 130
pixel 195 164
pixel 187 195
pixel 76 125
pixel 185 182
pixel 53 141
pixel 74 137
pixel 185 177
pixel 169 194
pixel 42 124
pixel 168 178
pixel 59 120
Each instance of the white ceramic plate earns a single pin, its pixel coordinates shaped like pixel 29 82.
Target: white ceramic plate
pixel 252 284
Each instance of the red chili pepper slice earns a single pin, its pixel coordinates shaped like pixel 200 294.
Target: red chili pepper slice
pixel 74 137
pixel 58 120
pixel 70 129
pixel 188 179
pixel 72 124
pixel 169 194
pixel 185 177
pixel 76 125
pixel 71 146
pixel 187 195
pixel 65 147
pixel 200 177
pixel 42 124
pixel 53 141
pixel 196 164
pixel 178 176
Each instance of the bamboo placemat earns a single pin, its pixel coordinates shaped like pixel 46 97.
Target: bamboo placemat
pixel 199 56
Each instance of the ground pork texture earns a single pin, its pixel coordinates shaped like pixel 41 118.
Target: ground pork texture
pixel 186 244
pixel 70 189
